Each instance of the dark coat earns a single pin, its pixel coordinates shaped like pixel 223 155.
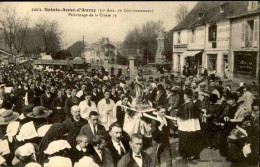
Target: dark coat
pixel 33 97
pixel 120 114
pixel 115 155
pixel 162 136
pixel 107 160
pixel 95 98
pixel 73 128
pixel 58 115
pixel 69 103
pixel 128 161
pixel 160 98
pixel 46 101
pixel 75 155
pixel 189 110
pixel 152 95
pixel 86 130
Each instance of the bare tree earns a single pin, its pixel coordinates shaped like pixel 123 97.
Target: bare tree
pixel 14 27
pixel 49 31
pixel 182 12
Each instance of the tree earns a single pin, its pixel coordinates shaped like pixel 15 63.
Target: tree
pixel 144 38
pixel 33 45
pixel 182 12
pixel 61 55
pixel 49 32
pixel 77 48
pixel 14 27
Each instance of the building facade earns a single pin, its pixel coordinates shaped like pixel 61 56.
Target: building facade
pixel 220 36
pixel 244 44
pixel 100 50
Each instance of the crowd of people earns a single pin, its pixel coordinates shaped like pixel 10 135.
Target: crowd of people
pixel 62 118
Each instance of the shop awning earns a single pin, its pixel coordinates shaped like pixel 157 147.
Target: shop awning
pixel 191 53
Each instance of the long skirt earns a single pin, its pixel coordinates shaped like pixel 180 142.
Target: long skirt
pixel 190 143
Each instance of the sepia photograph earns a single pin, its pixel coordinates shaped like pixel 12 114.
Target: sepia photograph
pixel 129 84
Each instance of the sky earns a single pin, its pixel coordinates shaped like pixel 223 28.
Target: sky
pixel 94 27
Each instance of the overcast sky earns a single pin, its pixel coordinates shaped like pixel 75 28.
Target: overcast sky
pixel 93 28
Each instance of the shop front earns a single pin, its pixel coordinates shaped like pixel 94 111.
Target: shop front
pixel 193 60
pixel 245 63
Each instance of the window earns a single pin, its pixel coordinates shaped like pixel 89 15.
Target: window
pixel 252 5
pixel 179 37
pixel 192 37
pixel 249 30
pixel 221 8
pixel 201 13
pixel 212 33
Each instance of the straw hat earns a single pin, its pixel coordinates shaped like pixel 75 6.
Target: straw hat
pixel 39 112
pixel 8 116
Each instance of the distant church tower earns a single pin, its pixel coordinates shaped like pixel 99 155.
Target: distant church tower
pixel 160 57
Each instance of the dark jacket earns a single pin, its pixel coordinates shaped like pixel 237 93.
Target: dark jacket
pixel 115 155
pixel 73 128
pixel 58 115
pixel 120 114
pixel 160 99
pixel 46 101
pixel 106 161
pixel 128 160
pixel 86 130
pixel 152 95
pixel 162 136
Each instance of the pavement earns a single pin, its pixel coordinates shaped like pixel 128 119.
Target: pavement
pixel 208 158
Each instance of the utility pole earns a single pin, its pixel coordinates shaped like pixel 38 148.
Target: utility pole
pixel 83 47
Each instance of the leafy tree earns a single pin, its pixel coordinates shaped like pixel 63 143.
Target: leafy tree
pixel 61 55
pixel 144 37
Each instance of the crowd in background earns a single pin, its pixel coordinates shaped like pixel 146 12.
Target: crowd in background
pixel 70 119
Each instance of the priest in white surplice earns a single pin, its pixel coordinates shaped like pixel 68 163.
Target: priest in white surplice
pixel 105 110
pixel 86 106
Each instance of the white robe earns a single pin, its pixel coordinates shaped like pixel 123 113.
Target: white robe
pixel 135 124
pixel 106 119
pixel 85 109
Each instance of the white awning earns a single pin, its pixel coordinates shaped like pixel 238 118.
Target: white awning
pixel 191 53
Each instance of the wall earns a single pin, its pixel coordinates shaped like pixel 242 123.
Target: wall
pixel 222 46
pixel 199 39
pixel 223 36
pixel 236 43
pixel 179 48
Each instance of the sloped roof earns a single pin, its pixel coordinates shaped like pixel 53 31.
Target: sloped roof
pixel 193 18
pixel 212 13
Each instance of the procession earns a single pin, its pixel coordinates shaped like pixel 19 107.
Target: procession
pixel 132 92
pixel 99 120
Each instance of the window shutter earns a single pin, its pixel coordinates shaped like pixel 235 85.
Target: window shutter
pixel 243 32
pixel 256 36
